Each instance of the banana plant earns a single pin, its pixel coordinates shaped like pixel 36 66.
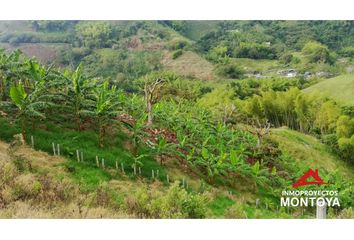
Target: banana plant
pixel 11 72
pixel 183 145
pixel 213 165
pixel 163 147
pixel 106 107
pixel 137 161
pixel 78 93
pixel 36 71
pixel 28 105
pixel 137 132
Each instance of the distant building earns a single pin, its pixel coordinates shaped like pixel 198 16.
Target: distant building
pixel 290 73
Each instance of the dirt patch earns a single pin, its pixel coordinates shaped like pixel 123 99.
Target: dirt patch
pixel 155 133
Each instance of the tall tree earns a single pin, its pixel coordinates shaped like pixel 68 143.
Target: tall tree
pixel 152 84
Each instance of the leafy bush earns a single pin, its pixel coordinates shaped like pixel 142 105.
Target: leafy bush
pixel 175 203
pixel 218 54
pixel 235 212
pixel 347 51
pixel 317 52
pixel 177 53
pixel 94 34
pixel 230 70
pixel 254 51
pixel 178 44
pixel 72 55
pixel 347 213
pixel 286 58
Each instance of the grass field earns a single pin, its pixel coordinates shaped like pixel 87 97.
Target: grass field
pixel 190 64
pixel 310 151
pixel 340 88
pixel 85 142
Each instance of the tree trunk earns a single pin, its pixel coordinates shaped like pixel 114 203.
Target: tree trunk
pixel 150 113
pixel 77 115
pixel 23 129
pixel 100 134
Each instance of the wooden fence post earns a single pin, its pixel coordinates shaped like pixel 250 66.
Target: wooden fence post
pixel 102 162
pixel 167 178
pixel 122 166
pixel 32 142
pixel 82 156
pixel 321 210
pixel 53 145
pixel 97 162
pixel 152 174
pixel 117 165
pixel 78 155
pixel 139 170
pixel 58 149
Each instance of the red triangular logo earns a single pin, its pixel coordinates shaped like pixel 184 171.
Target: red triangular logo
pixel 303 180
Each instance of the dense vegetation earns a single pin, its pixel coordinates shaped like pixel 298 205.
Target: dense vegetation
pixel 135 120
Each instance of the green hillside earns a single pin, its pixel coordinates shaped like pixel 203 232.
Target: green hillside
pixel 308 150
pixel 173 119
pixel 197 29
pixel 340 88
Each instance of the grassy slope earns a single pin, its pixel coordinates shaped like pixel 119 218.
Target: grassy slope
pixel 340 88
pixel 309 150
pixel 88 177
pixel 190 64
pixel 197 29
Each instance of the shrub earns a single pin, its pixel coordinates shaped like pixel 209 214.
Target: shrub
pixel 7 173
pixel 235 211
pixel 177 53
pixel 25 186
pixel 347 52
pixel 254 51
pixel 347 213
pixel 286 58
pixel 178 44
pixel 346 146
pixel 229 71
pixel 196 206
pixel 175 203
pixel 317 52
